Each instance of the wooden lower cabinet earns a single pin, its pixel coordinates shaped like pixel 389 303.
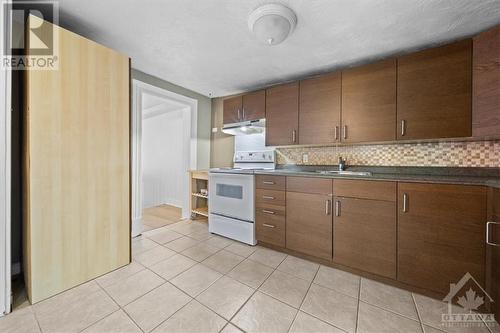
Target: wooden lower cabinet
pixel 365 235
pixel 493 251
pixel 309 220
pixel 441 234
pixel 270 224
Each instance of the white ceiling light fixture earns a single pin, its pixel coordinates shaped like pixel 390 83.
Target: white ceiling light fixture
pixel 272 23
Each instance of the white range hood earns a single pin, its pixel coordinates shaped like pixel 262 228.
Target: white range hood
pixel 245 127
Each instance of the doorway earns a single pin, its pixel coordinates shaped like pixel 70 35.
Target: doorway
pixel 164 133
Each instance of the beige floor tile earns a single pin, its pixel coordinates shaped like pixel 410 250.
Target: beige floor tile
pixel 230 328
pixel 374 319
pixel 189 228
pixel 119 274
pixel 267 257
pixel 164 236
pixel 286 288
pixel 223 261
pixel 193 318
pixel 196 279
pixel 331 306
pixel 133 287
pixel 181 244
pixel 173 266
pixel 141 244
pixel 219 241
pixel 300 268
pixel 430 311
pixel 388 297
pixel 67 297
pixel 73 314
pixel 241 249
pixel 263 313
pixel 201 235
pixel 305 323
pixel 117 322
pixel 19 321
pixel 225 296
pixel 251 273
pixel 153 256
pixel 338 280
pixel 429 329
pixel 200 252
pixel 156 306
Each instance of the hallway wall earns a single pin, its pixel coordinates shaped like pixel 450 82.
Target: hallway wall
pixel 162 159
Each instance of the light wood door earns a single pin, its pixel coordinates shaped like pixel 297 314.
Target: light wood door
pixel 309 218
pixel 282 115
pixel 486 84
pixel 441 234
pixel 319 109
pixel 434 93
pixel 493 250
pixel 369 102
pixel 365 235
pixel 232 108
pixel 77 197
pixel 254 105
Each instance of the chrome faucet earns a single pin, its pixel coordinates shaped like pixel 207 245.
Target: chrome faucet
pixel 341 164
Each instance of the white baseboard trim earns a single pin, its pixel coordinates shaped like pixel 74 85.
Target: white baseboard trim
pixel 137 227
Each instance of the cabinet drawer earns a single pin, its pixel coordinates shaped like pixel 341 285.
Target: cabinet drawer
pixel 365 189
pixel 309 185
pixel 270 209
pixel 270 182
pixel 270 228
pixel 270 197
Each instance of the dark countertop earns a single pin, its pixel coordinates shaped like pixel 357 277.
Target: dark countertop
pixel 442 175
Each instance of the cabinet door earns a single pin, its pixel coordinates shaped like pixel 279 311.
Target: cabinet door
pixel 365 235
pixel 309 218
pixel 254 105
pixel 486 84
pixel 441 234
pixel 282 115
pixel 369 102
pixel 319 109
pixel 232 110
pixel 434 93
pixel 493 250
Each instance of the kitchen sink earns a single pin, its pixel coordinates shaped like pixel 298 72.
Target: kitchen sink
pixel 344 173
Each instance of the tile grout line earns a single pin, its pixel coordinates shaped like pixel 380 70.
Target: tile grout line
pixel 359 300
pixel 418 313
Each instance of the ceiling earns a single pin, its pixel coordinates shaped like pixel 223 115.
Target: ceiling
pixel 206 46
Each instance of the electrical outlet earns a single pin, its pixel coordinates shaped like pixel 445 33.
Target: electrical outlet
pixel 305 158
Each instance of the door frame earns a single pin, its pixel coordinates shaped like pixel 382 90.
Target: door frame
pixel 191 128
pixel 5 181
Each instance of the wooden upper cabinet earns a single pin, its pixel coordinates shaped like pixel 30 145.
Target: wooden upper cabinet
pixel 319 109
pixel 441 234
pixel 309 216
pixel 369 102
pixel 232 110
pixel 486 84
pixel 282 115
pixel 434 93
pixel 254 105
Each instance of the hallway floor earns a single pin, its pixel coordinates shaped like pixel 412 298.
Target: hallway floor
pixel 184 279
pixel 160 216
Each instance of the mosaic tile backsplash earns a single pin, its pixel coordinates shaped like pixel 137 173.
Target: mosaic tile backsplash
pixel 436 154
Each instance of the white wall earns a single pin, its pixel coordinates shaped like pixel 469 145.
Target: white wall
pixel 163 168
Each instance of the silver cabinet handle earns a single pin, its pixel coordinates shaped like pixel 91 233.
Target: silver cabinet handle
pixel 268 211
pixel 336 133
pixel 239 116
pixel 405 203
pixel 345 132
pixel 488 224
pixel 337 208
pixel 328 205
pixel 243 112
pixel 294 136
pixel 268 225
pixel 267 182
pixel 267 197
pixel 403 127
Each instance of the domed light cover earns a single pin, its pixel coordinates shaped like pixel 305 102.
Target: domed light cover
pixel 272 23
